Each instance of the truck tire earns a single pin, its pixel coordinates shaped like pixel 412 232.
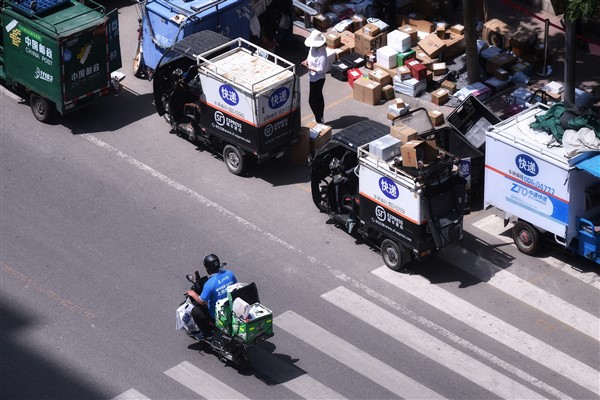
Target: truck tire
pixel 234 159
pixel 526 237
pixel 139 67
pixel 42 109
pixel 393 255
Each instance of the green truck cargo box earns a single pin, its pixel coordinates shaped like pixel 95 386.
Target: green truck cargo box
pixel 62 54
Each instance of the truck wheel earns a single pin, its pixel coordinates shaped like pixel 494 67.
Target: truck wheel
pixel 234 159
pixel 42 109
pixel 526 237
pixel 392 255
pixel 138 62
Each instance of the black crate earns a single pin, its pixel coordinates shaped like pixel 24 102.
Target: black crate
pixel 449 139
pixel 339 70
pixel 472 119
pixel 354 60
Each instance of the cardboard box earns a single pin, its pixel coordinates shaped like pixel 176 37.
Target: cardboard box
pixel 403 132
pixel 358 21
pixel 440 31
pixel 449 86
pixel 386 56
pixel 371 30
pixel 439 97
pixel 457 29
pixel 353 75
pixel 381 76
pixel 419 21
pixel 418 153
pixel 367 91
pixel 342 51
pixel 319 135
pixel 501 74
pixel 399 41
pixel 321 22
pixel 403 72
pixel 437 117
pixel 501 60
pixel 347 39
pixel 412 32
pixel 417 70
pixel 387 92
pixel 364 43
pixel 455 46
pixel 432 45
pixel 497 33
pixel 333 39
pixel 439 68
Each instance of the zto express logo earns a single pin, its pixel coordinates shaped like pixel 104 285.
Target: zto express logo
pixel 229 95
pixel 279 98
pixel 526 165
pixel 380 213
pixel 388 187
pixel 219 118
pixel 268 130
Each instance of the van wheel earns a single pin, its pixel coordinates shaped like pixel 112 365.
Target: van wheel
pixel 138 62
pixel 526 237
pixel 42 110
pixel 392 255
pixel 234 159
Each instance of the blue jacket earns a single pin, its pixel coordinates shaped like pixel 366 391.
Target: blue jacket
pixel 215 288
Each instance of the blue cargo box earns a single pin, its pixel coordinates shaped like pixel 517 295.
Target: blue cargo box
pixel 165 22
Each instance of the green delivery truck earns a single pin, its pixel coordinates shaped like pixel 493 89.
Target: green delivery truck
pixel 59 54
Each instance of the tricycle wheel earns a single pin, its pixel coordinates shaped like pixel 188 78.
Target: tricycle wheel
pixel 42 109
pixel 526 237
pixel 393 255
pixel 234 159
pixel 138 62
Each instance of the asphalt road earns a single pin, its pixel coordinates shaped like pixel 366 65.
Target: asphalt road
pixel 103 214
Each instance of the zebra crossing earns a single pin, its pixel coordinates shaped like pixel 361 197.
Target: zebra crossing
pixel 447 349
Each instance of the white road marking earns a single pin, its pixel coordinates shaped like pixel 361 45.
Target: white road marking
pixel 525 292
pixel 422 342
pixel 495 226
pixel 495 328
pixel 202 383
pixel 303 385
pixel 131 394
pixel 353 357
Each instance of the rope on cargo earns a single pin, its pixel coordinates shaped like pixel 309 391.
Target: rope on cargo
pixel 560 28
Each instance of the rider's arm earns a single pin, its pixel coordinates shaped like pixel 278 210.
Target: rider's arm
pixel 195 296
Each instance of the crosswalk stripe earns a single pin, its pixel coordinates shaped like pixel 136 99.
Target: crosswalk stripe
pixel 131 394
pixel 303 385
pixel 525 292
pixel 353 357
pixel 202 383
pixel 494 226
pixel 424 343
pixel 497 329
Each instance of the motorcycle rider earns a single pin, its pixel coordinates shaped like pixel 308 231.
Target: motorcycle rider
pixel 214 289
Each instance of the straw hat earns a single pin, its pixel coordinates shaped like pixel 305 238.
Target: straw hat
pixel 315 39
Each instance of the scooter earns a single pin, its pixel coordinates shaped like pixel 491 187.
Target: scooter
pixel 231 342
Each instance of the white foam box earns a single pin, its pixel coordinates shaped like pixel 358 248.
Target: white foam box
pixel 399 41
pixel 386 147
pixel 386 57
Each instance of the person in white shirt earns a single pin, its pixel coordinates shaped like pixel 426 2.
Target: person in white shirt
pixel 316 63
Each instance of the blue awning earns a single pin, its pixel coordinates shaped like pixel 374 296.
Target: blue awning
pixel 591 165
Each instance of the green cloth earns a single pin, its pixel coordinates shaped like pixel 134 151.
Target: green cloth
pixel 560 117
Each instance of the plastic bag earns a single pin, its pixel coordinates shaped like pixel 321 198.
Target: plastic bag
pixel 184 318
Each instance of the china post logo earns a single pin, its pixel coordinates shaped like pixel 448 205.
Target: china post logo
pixel 279 98
pixel 388 187
pixel 229 95
pixel 527 165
